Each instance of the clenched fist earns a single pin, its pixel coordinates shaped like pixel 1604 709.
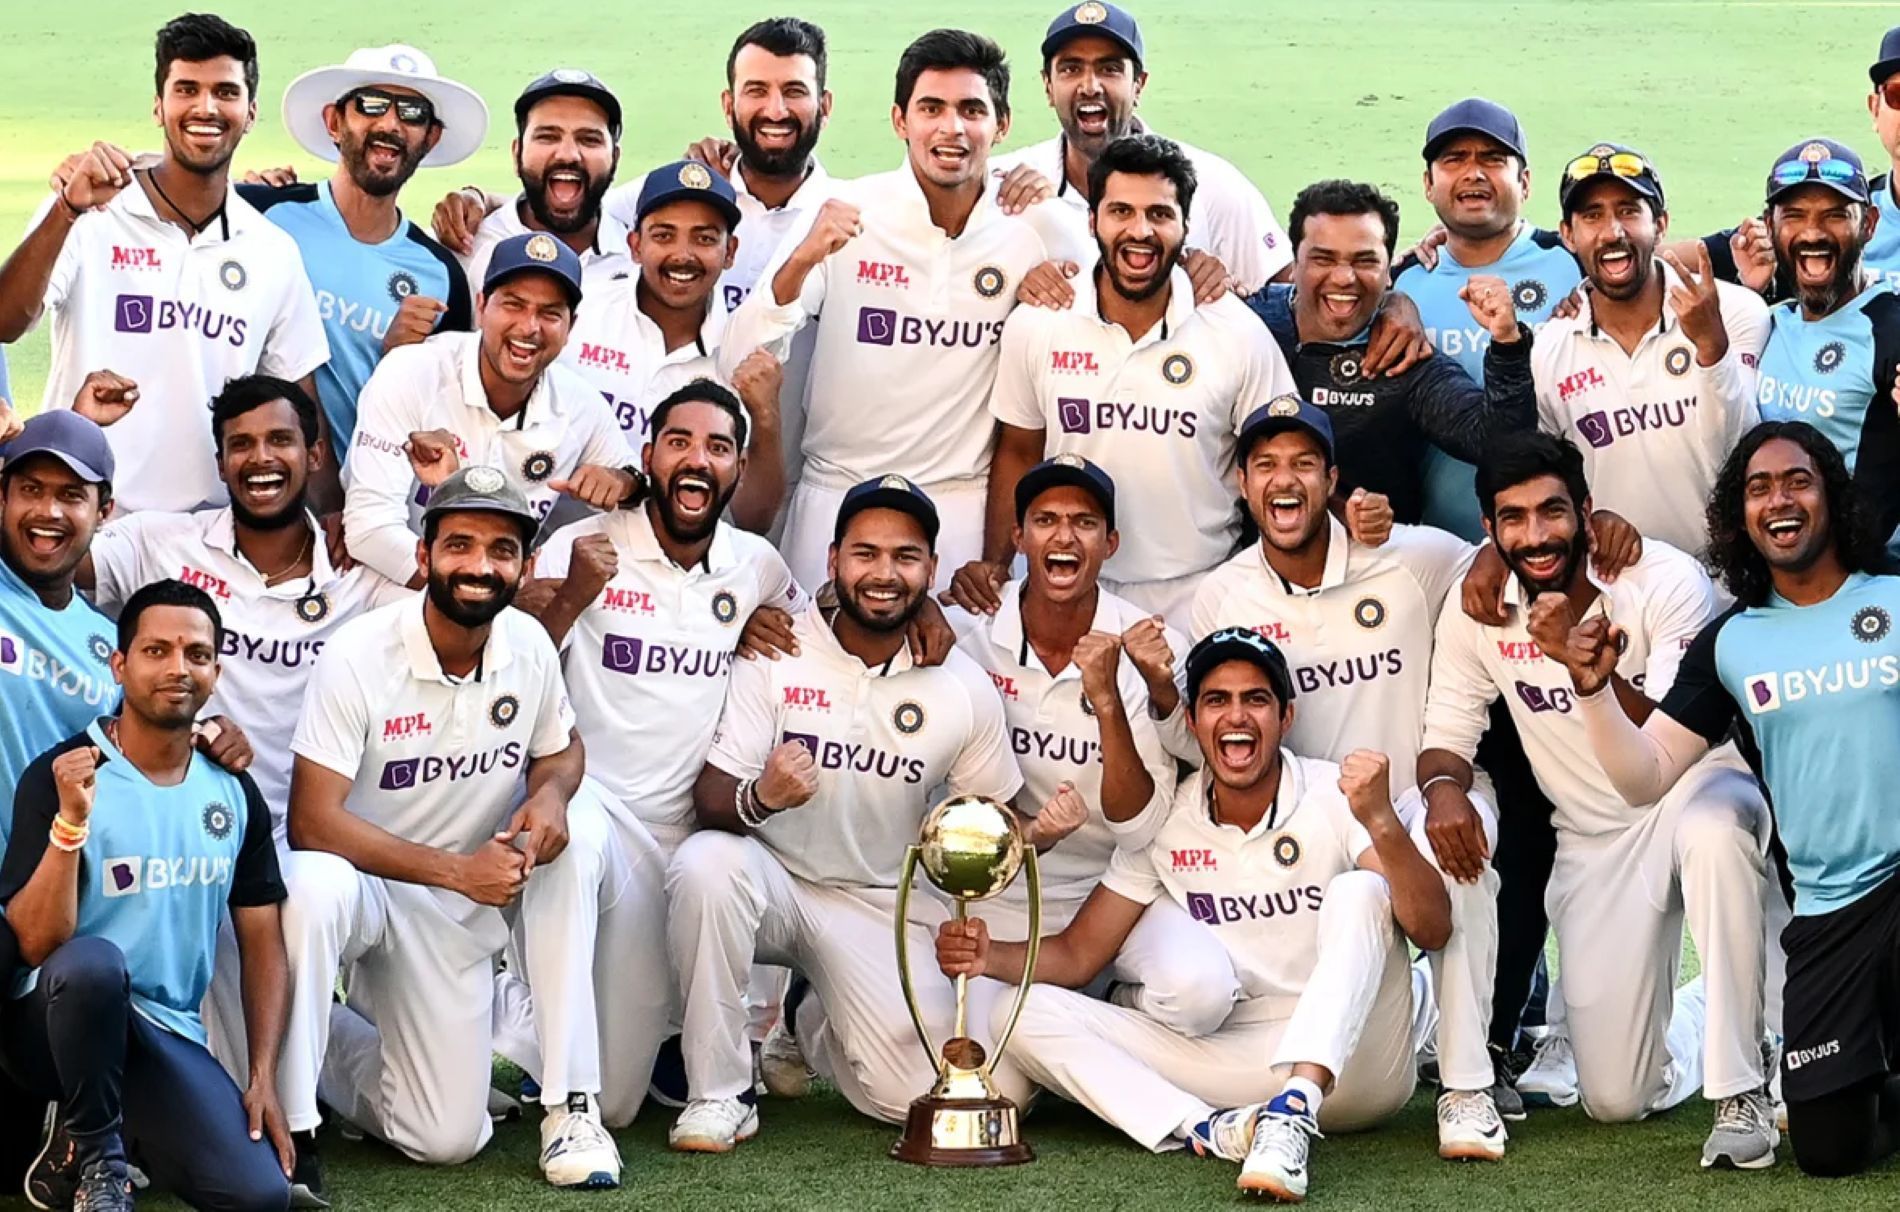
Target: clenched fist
pixel 1062 815
pixel 432 456
pixel 92 178
pixel 790 778
pixel 838 223
pixel 1365 777
pixel 602 487
pixel 416 318
pixel 593 564
pixel 1594 646
pixel 1490 303
pixel 1146 644
pixel 76 777
pixel 963 948
pixel 104 397
pixel 757 381
pixel 1097 656
pixel 1369 517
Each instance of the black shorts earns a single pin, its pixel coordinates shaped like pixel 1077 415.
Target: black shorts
pixel 1841 1010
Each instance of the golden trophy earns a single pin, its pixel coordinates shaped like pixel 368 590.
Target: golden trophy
pixel 969 847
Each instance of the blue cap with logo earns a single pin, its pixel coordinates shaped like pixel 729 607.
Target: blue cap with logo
pixel 1094 17
pixel 535 252
pixel 1281 415
pixel 888 492
pixel 1820 162
pixel 1475 116
pixel 1889 61
pixel 1239 644
pixel 683 181
pixel 1070 470
pixel 569 82
pixel 72 439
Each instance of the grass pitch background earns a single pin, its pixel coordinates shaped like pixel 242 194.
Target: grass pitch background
pixel 1711 90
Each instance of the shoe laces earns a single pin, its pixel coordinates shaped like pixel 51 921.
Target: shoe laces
pixel 100 1185
pixel 1473 1107
pixel 728 1113
pixel 1553 1050
pixel 1282 1137
pixel 1229 1133
pixel 1744 1112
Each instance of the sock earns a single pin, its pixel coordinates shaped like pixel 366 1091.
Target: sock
pixel 1298 1097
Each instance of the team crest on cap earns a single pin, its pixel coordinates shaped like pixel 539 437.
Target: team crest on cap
pixel 541 247
pixel 401 286
pixel 313 607
pixel 403 62
pixel 1286 850
pixel 908 718
pixel 484 479
pixel 1602 149
pixel 217 820
pixel 694 175
pixel 502 711
pixel 570 75
pixel 100 647
pixel 1070 459
pixel 232 275
pixel 990 281
pixel 1090 13
pixel 1814 153
pixel 1369 613
pixel 897 482
pixel 1345 367
pixel 1829 357
pixel 1530 294
pixel 1284 406
pixel 725 607
pixel 1676 361
pixel 538 466
pixel 1178 369
pixel 1871 624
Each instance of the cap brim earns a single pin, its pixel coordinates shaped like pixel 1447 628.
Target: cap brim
pixel 1863 196
pixel 79 467
pixel 609 104
pixel 891 498
pixel 1216 655
pixel 1035 483
pixel 1879 72
pixel 729 209
pixel 573 290
pixel 1438 141
pixel 1638 185
pixel 1260 431
pixel 460 109
pixel 1062 37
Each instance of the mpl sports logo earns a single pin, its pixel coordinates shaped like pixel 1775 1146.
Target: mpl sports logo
pixel 1079 416
pixel 1578 383
pixel 199 578
pixel 883 273
pixel 138 260
pixel 1194 860
pixel 1072 362
pixel 631 655
pixel 595 356
pixel 807 698
pixel 146 314
pixel 885 326
pixel 403 727
pixel 1770 691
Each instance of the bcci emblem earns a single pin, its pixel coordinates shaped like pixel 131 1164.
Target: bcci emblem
pixel 1067 459
pixel 537 466
pixel 897 482
pixel 725 607
pixel 1286 850
pixel 401 286
pixel 1829 357
pixel 232 275
pixel 1284 406
pixel 1530 295
pixel 1369 613
pixel 313 608
pixel 570 75
pixel 484 479
pixel 217 820
pixel 541 247
pixel 1345 368
pixel 1178 369
pixel 100 647
pixel 502 711
pixel 1871 624
pixel 1676 361
pixel 908 718
pixel 989 281
pixel 1814 153
pixel 694 175
pixel 1090 13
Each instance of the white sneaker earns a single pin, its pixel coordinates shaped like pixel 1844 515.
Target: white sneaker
pixel 1552 1078
pixel 1745 1135
pixel 576 1150
pixel 1276 1163
pixel 1469 1126
pixel 782 1064
pixel 1226 1134
pixel 713 1125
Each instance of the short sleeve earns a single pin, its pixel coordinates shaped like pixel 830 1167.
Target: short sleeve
pixel 1132 874
pixel 333 727
pixel 748 726
pixel 777 588
pixel 1697 700
pixel 1457 707
pixel 118 561
pixel 255 879
pixel 552 558
pixel 554 714
pixel 295 345
pixel 1014 399
pixel 986 765
pixel 1675 620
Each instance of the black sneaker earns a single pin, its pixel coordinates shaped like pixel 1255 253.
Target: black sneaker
pixel 54 1174
pixel 1504 1093
pixel 306 1177
pixel 104 1186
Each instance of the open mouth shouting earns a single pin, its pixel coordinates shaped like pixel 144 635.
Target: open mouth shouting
pixel 776 135
pixel 1236 749
pixel 1616 264
pixel 46 540
pixel 520 354
pixel 264 490
pixel 1063 569
pixel 566 187
pixel 693 495
pixel 950 158
pixel 384 155
pixel 1542 566
pixel 1785 532
pixel 1091 117
pixel 1815 263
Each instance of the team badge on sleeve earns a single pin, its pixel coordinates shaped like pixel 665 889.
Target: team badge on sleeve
pixel 1829 357
pixel 502 711
pixel 908 718
pixel 541 247
pixel 218 820
pixel 1676 361
pixel 232 275
pixel 1178 369
pixel 725 607
pixel 694 175
pixel 313 607
pixel 1871 624
pixel 1530 294
pixel 1369 613
pixel 537 466
pixel 401 286
pixel 990 281
pixel 1286 850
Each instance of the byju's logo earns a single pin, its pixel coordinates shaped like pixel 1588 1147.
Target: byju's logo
pixel 621 653
pixel 12 654
pixel 1200 907
pixel 1595 428
pixel 122 876
pixel 1073 413
pixel 808 740
pixel 400 774
pixel 877 326
pixel 1539 699
pixel 1764 693
pixel 133 313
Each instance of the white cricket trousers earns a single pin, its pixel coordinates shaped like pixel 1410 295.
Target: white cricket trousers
pixel 1465 969
pixel 812 516
pixel 730 901
pixel 1355 1017
pixel 1617 903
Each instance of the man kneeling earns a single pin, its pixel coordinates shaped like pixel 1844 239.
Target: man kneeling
pixel 1304 872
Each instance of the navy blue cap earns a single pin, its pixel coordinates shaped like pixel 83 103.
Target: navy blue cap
pixel 1889 61
pixel 1281 414
pixel 1646 183
pixel 1475 116
pixel 1239 644
pixel 538 252
pixel 1070 470
pixel 888 492
pixel 1094 17
pixel 687 180
pixel 72 439
pixel 1820 162
pixel 569 82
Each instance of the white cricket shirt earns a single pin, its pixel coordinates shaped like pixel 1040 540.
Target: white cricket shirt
pixel 437 385
pixel 648 662
pixel 1159 414
pixel 180 316
pixel 607 260
pixel 1259 891
pixel 1359 646
pixel 890 741
pixel 1654 426
pixel 622 352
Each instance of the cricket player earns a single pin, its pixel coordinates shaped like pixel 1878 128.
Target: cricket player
pixel 119 949
pixel 1344 236
pixel 1804 665
pixel 1136 377
pixel 1257 835
pixel 494 398
pixel 823 767
pixel 908 276
pixel 1654 377
pixel 438 781
pixel 1833 352
pixel 161 273
pixel 1625 875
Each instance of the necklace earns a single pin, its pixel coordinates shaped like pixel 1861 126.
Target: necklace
pixel 273 577
pixel 196 227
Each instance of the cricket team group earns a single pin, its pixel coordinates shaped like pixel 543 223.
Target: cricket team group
pixel 536 622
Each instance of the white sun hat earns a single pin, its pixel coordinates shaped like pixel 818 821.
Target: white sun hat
pixel 459 108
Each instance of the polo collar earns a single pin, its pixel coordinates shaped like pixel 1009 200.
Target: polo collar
pixel 537 411
pixel 137 202
pixel 1008 633
pixel 425 666
pixel 1664 324
pixel 1286 800
pixel 1088 301
pixel 220 534
pixel 824 642
pixel 817 184
pixel 912 191
pixel 632 531
pixel 1338 555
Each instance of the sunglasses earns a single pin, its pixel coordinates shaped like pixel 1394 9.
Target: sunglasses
pixel 1890 92
pixel 410 111
pixel 1622 164
pixel 1834 172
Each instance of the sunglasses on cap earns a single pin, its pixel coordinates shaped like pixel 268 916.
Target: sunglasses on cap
pixel 1833 172
pixel 1621 164
pixel 410 111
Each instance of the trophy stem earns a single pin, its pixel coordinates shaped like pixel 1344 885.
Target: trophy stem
pixel 959 913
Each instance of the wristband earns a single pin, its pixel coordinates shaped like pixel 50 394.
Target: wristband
pixel 1437 778
pixel 68 837
pixel 66 202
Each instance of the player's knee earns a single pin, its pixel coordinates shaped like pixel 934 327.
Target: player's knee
pixel 320 888
pixel 708 866
pixel 1833 1136
pixel 1613 1104
pixel 1191 998
pixel 1716 830
pixel 1357 896
pixel 434 1143
pixel 1830 1155
pixel 89 970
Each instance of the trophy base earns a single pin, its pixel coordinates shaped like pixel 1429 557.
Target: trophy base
pixel 962 1132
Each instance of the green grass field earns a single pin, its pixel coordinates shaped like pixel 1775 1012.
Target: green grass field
pixel 1290 92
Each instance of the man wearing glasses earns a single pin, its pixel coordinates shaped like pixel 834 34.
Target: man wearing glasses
pixel 380 279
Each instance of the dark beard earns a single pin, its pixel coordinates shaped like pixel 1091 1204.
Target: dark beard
pixel 1828 299
pixel 679 531
pixel 792 162
pixel 292 514
pixel 536 191
pixel 1573 566
pixel 848 606
pixel 355 161
pixel 442 595
pixel 1166 272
